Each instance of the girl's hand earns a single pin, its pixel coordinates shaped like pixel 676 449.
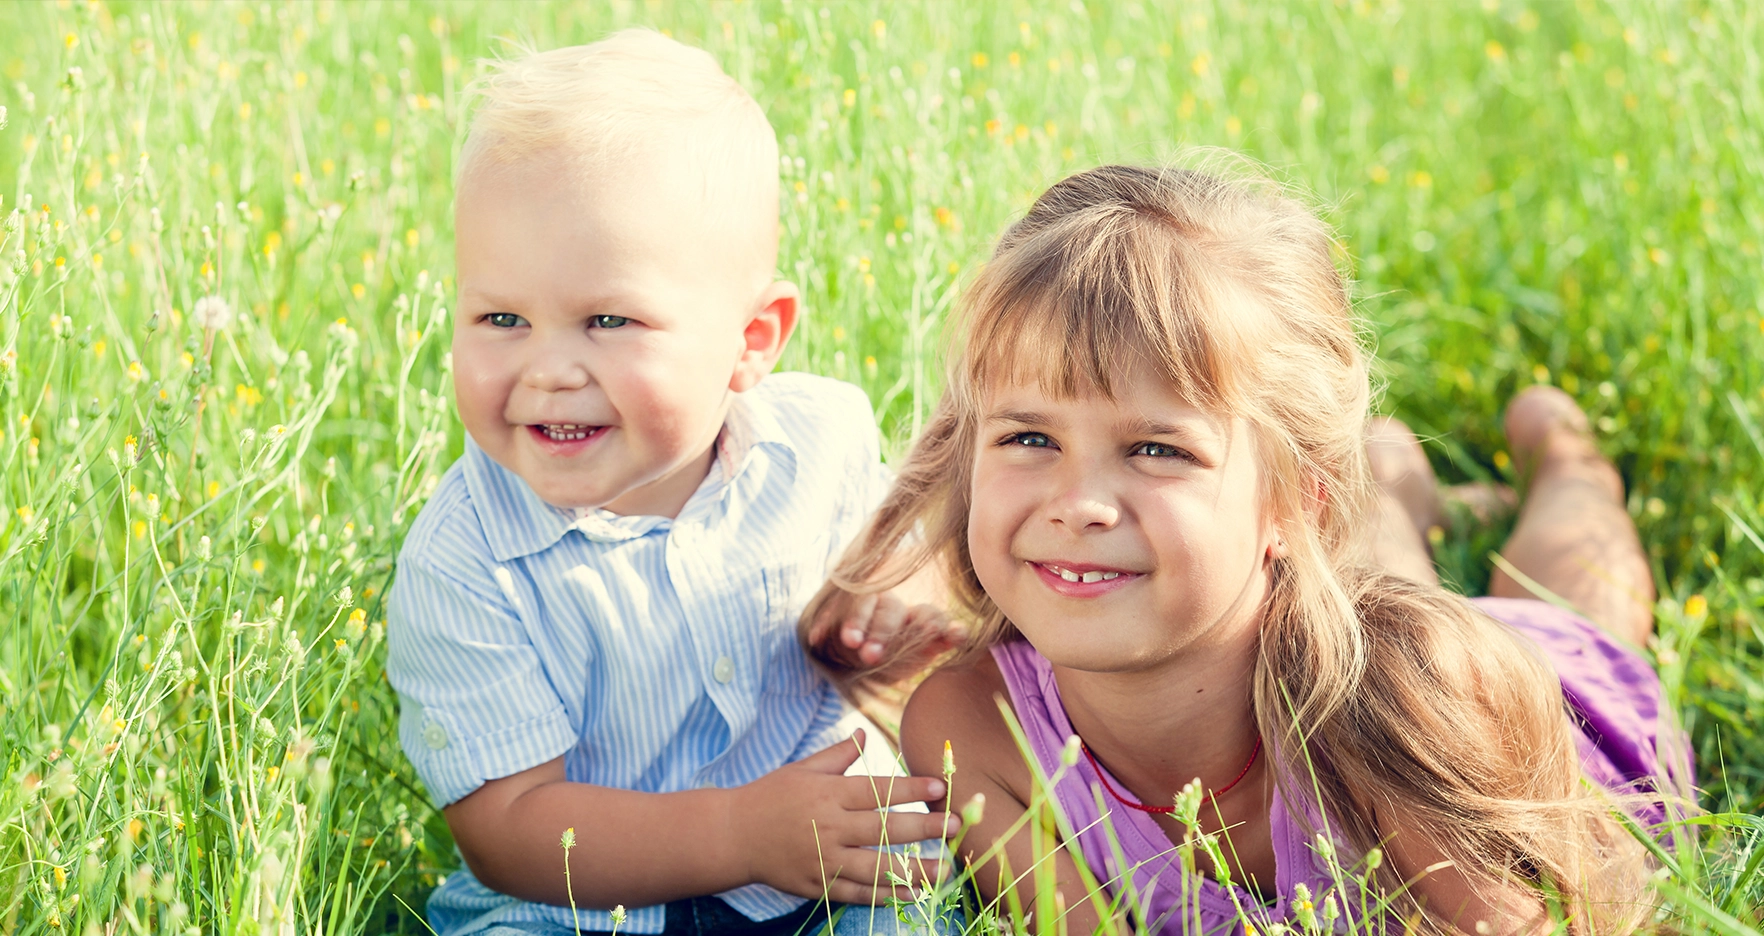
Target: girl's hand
pixel 809 830
pixel 858 631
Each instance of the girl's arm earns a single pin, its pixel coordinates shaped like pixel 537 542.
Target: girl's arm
pixel 959 705
pixel 1451 895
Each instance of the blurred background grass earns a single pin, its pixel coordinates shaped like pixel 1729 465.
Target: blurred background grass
pixel 199 522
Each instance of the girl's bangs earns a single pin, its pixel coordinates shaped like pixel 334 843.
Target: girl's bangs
pixel 1075 310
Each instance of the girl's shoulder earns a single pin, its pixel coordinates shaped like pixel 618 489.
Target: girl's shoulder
pixel 959 704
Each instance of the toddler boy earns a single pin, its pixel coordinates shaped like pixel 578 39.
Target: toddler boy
pixel 594 617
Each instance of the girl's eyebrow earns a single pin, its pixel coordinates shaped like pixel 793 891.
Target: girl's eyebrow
pixel 1197 428
pixel 1019 417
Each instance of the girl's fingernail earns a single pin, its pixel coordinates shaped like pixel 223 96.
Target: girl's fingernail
pixel 936 788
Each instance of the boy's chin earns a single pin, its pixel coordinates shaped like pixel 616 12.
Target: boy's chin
pixel 567 497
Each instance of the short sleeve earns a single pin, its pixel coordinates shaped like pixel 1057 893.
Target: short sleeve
pixel 475 702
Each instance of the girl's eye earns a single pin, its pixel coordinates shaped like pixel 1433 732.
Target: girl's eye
pixel 1160 450
pixel 1029 440
pixel 505 320
pixel 608 321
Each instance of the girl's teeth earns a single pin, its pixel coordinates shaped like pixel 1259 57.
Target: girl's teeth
pixel 1085 577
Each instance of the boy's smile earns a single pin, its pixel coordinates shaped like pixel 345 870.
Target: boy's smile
pixel 600 328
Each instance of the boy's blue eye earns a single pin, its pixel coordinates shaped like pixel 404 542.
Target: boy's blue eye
pixel 1030 440
pixel 608 321
pixel 505 320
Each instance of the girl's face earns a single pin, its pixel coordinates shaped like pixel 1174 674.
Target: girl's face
pixel 1118 534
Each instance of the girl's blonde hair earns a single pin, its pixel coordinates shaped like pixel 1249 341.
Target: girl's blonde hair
pixel 1395 699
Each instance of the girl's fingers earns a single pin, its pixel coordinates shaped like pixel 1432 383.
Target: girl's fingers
pixel 857 620
pixel 889 617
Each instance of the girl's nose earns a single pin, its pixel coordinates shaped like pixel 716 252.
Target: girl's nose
pixel 1084 506
pixel 554 366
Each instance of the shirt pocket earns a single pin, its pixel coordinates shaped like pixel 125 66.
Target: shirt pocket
pixel 786 666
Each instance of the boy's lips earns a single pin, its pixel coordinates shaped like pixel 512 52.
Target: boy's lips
pixel 564 438
pixel 1082 580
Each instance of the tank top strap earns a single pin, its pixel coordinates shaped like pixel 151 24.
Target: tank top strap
pixel 1036 700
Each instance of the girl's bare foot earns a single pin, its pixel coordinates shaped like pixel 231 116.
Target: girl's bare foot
pixel 1408 500
pixel 1574 537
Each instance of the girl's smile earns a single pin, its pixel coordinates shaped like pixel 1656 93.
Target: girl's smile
pixel 1082 580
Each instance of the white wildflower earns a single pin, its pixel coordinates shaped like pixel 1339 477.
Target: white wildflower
pixel 213 312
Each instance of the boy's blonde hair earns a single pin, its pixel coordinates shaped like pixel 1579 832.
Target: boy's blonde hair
pixel 1392 698
pixel 630 95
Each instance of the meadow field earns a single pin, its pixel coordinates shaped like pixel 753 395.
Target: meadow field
pixel 224 390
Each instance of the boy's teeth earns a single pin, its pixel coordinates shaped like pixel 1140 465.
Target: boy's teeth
pixel 1071 576
pixel 566 432
pixel 1093 576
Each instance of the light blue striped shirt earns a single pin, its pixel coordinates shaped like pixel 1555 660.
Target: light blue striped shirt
pixel 653 654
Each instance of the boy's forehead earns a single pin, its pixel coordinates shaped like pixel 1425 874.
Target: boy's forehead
pixel 664 193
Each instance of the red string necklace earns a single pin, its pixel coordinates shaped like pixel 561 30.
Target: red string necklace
pixel 1163 810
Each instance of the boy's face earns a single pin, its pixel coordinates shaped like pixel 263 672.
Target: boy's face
pixel 599 330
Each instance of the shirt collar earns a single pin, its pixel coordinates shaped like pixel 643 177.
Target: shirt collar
pixel 517 523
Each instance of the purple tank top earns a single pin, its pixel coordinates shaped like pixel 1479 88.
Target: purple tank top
pixel 1613 694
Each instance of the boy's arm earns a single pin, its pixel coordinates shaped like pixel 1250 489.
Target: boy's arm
pixel 802 828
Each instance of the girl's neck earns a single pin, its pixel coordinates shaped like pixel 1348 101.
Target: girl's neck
pixel 1157 729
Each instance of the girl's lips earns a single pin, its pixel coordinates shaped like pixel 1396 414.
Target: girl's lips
pixel 564 438
pixel 1078 580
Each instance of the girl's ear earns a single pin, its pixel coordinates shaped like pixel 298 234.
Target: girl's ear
pixel 765 334
pixel 1315 500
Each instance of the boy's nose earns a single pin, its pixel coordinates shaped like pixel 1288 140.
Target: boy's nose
pixel 553 367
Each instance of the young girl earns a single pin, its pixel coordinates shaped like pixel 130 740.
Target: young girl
pixel 1149 486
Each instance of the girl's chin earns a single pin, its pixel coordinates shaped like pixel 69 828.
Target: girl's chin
pixel 1077 648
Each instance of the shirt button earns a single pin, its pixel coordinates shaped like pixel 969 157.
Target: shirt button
pixel 724 670
pixel 434 736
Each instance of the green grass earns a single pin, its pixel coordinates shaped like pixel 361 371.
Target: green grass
pixel 194 725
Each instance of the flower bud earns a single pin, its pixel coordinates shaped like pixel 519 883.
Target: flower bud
pixel 974 811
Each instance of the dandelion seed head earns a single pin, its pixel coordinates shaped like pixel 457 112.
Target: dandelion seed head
pixel 212 313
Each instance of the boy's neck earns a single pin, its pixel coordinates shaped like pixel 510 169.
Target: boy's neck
pixel 667 495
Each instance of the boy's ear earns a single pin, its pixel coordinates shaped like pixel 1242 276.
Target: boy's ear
pixel 766 333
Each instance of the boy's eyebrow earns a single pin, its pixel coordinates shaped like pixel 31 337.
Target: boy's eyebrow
pixel 479 292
